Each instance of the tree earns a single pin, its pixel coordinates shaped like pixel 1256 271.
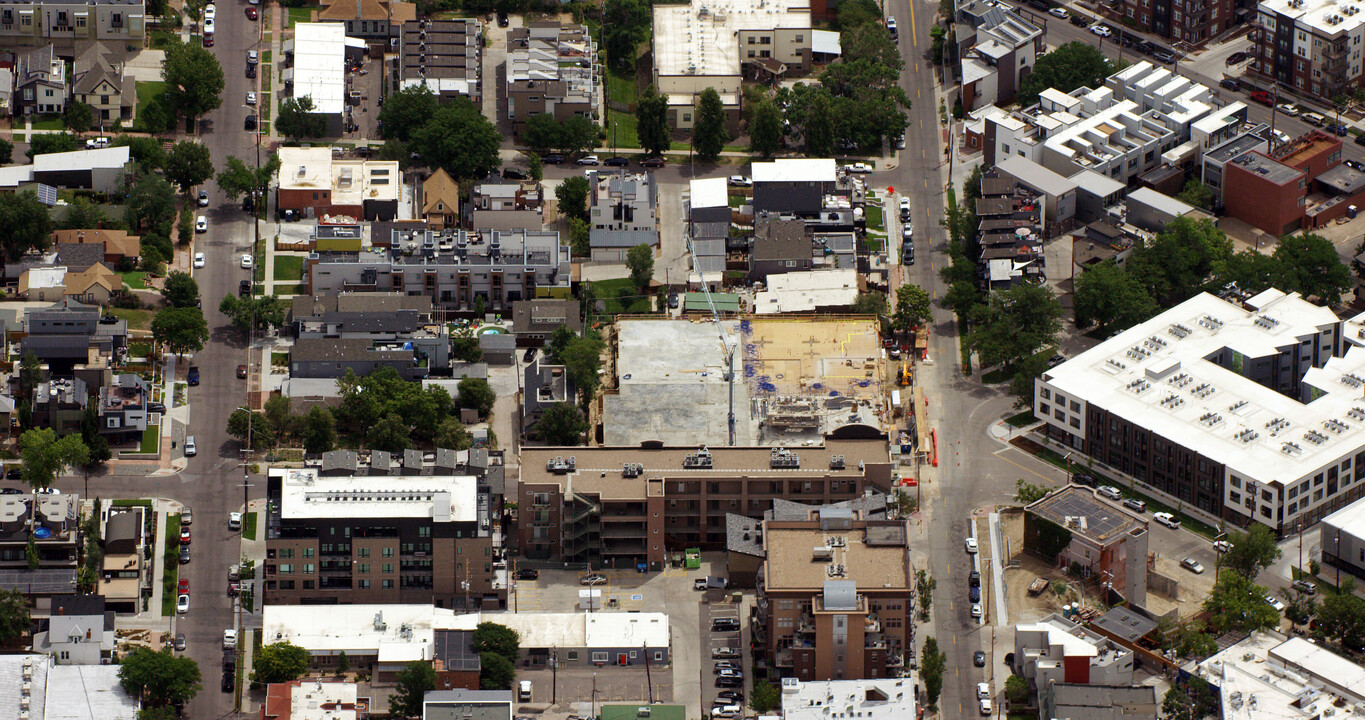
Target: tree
pixel 180 290
pixel 181 329
pixel 82 214
pixel 6 151
pixel 1238 605
pixel 258 313
pixel 279 662
pixel 97 445
pixel 158 679
pixel 1341 615
pixel 580 237
pixel 343 663
pixel 451 435
pixel 490 637
pixel 390 434
pixel 870 303
pixel 924 592
pixel 1194 700
pixel 194 79
pixel 855 13
pixel 145 151
pixel 1026 371
pixel 496 672
pixel 625 24
pixel 1197 194
pixel 26 223
pixel 562 424
pixel 45 455
pixel 1178 263
pixel 1309 264
pixel 405 111
pixel 1070 66
pixel 1028 493
pixel 541 132
pixel 582 358
pixel 1252 551
pixel 151 207
pixel 296 119
pixel 932 664
pixel 1017 323
pixel 14 618
pixel 30 373
pixel 577 134
pixel 1299 607
pixel 48 143
pixel 708 132
pixel 640 262
pixel 188 164
pixel 279 413
pixel 460 139
pixel 765 128
pixel 1016 686
pixel 651 121
pixel 535 167
pixel 870 42
pixel 1193 640
pixel 464 346
pixel 1112 299
pixel 912 308
pixel 412 684
pixel 237 178
pixel 476 393
pixel 572 194
pixel 766 697
pixel 251 429
pixel 78 117
pixel 319 432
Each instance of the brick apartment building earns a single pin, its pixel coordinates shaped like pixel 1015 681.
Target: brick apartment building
pixel 1272 192
pixel 1192 21
pixel 379 539
pixel 618 506
pixel 834 596
pixel 1312 46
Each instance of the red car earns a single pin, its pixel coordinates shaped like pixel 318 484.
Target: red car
pixel 653 162
pixel 1263 97
pixel 184 537
pixel 184 586
pixel 251 13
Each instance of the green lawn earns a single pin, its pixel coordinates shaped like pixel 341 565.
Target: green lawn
pixel 249 526
pixel 737 201
pixel 172 561
pixel 146 92
pixel 136 280
pixel 265 57
pixel 132 502
pixel 151 439
pixel 611 291
pixel 300 289
pixel 1022 419
pixel 875 222
pixel 623 124
pixel 266 105
pixel 288 267
pixel 620 88
pixel 298 15
pixel 137 319
pixel 683 145
pixel 161 39
pixel 139 349
pixel 48 122
pixel 279 358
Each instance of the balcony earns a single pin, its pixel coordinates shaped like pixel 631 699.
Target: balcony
pixel 871 624
pixel 623 530
pixel 875 641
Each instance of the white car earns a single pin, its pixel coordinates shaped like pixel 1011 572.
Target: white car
pixel 229 639
pixel 203 198
pixel 1059 12
pixel 210 12
pixel 182 604
pixel 251 98
pixel 900 143
pixel 234 521
pixel 1108 491
pixel 740 181
pixel 1166 519
pixel 1101 30
pixel 986 708
pixel 1274 602
pixel 201 224
pixel 1289 109
pixel 589 160
pixel 208 26
pixel 983 691
pixel 976 610
pixel 1222 546
pixel 198 260
pixel 247 262
pixel 971 545
pixel 1280 136
pixel 1192 565
pixel 859 168
pixel 99 142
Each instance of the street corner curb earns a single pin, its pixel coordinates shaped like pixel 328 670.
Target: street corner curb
pixel 999 430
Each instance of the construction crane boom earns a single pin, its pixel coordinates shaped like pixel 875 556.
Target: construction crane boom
pixel 726 346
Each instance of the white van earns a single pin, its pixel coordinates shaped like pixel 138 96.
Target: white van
pixel 190 448
pixel 524 691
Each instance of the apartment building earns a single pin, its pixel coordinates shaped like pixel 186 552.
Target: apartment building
pixel 1056 650
pixel 39 80
pixel 70 21
pixel 1106 541
pixel 339 539
pixel 720 43
pixel 1010 232
pixel 506 206
pixel 1271 191
pixel 314 183
pixel 445 56
pixel 1248 412
pixel 455 268
pixel 384 321
pixel 1310 45
pixel 835 596
pixel 376 21
pixel 552 68
pixel 998 52
pixel 622 213
pixel 1191 21
pixel 50 522
pixel 786 185
pixel 618 506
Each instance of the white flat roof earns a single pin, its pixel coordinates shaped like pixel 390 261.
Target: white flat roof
pixel 320 65
pixel 1164 203
pixel 1037 176
pixel 81 692
pixel 443 498
pixel 1350 519
pixel 313 699
pixel 1254 689
pixel 1222 414
pixel 702 38
pixel 12 175
pixel 709 192
pixel 807 291
pixel 823 699
pixel 576 629
pixel 796 170
pixel 1093 182
pixel 394 632
pixel 1314 14
pixel 1057 634
pixel 110 157
pixel 1303 657
pixel 825 42
pixel 46 277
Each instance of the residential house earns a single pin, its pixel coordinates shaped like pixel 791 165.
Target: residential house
pixel 535 321
pixel 377 22
pixel 68 332
pixel 1057 650
pixel 98 82
pixel 39 77
pixel 127 567
pixel 386 320
pixel 79 631
pixel 47 284
pixel 545 384
pixel 93 285
pixel 622 213
pixel 103 170
pixel 123 408
pixel 997 54
pixel 788 185
pixel 118 245
pixel 780 246
pixel 506 206
pixel 441 200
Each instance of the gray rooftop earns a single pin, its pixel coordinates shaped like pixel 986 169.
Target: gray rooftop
pixel 1090 516
pixel 743 535
pixel 1125 624
pixel 1342 180
pixel 1231 149
pixel 1268 168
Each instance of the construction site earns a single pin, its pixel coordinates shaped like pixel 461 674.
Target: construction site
pixel 795 379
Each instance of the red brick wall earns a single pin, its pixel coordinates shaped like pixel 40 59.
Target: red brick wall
pixel 1077 669
pixel 1254 200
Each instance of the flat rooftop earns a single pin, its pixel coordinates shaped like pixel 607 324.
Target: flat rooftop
pixel 1081 511
pixel 1315 14
pixel 701 38
pixel 1156 375
pixel 306 494
pixel 1269 168
pixel 320 65
pixel 886 699
pixel 797 558
pixel 1252 690
pixel 1350 519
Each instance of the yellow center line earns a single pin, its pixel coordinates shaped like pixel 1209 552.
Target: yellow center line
pixel 914 35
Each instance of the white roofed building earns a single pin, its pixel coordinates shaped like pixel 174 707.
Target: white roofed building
pixel 317 184
pixel 1058 650
pixel 884 699
pixel 316 67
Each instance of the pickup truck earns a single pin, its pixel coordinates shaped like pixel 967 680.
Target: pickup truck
pixel 1036 587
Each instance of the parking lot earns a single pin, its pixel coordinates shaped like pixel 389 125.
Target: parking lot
pixel 713 640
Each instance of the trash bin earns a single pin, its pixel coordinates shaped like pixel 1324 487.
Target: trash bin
pixel 1351 211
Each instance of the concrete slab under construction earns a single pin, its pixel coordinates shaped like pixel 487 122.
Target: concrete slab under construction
pixel 796 379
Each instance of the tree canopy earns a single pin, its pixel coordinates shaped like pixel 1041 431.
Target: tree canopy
pixel 258 312
pixel 159 679
pixel 45 455
pixel 179 290
pixel 498 639
pixel 297 119
pixel 181 329
pixel 477 394
pixel 912 308
pixel 1236 604
pixel 188 164
pixel 572 195
pixel 460 139
pixel 625 24
pixel 194 79
pixel 1177 264
pixel 1111 299
pixel 413 683
pixel 1017 323
pixel 279 662
pixel 406 111
pixel 27 224
pixel 765 128
pixel 237 178
pixel 1309 264
pixel 651 121
pixel 384 398
pixel 709 133
pixel 1075 64
pixel 562 424
pixel 640 262
pixel 496 672
pixel 14 617
pixel 1251 552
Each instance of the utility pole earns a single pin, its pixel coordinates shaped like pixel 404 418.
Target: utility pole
pixel 649 679
pixel 554 674
pixel 594 695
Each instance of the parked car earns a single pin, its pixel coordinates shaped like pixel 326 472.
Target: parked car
pixel 986 709
pixel 1135 505
pixel 1313 119
pixel 724 681
pixel 653 162
pixel 725 652
pixel 617 161
pixel 732 695
pixel 1359 140
pixel 1163 56
pixel 528 574
pixel 725 625
pixel 983 691
pixel 974 579
pixel 858 168
pixel 184 555
pixel 976 610
pixel 728 665
pixel 740 181
pixel 1108 491
pixel 244 288
pixel 182 604
pixel 971 545
pixel 1101 30
pixel 201 224
pixel 1192 565
pixel 1237 57
pixel 673 301
pixel 1222 546
pixel 1274 602
pixel 552 159
pixel 1166 519
pixel 191 449
pixel 593 579
pixel 193 377
pixel 247 261
pixel 1082 478
pixel 1337 129
pixel 156 407
pixel 1289 109
pixel 184 536
pixel 502 18
pixel 974 593
pixel 1283 137
pixel 511 173
pixel 1305 587
pixel 699 583
pixel 979 658
pixel 1230 84
pixel 228 682
pixel 905 209
pixel 1059 12
pixel 1078 20
pixel 180 641
pixel 234 521
pixel 252 13
pixel 588 160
